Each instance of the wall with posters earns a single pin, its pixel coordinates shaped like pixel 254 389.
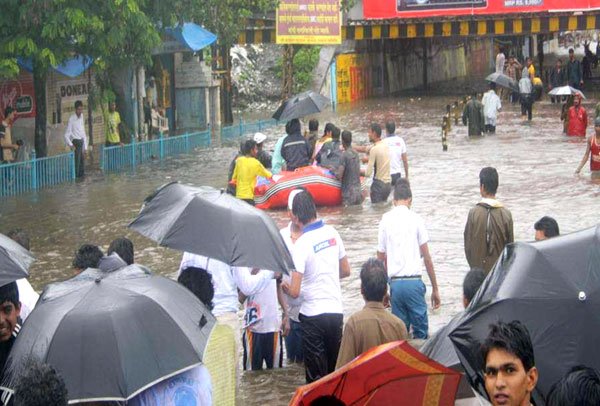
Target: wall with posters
pixel 359 76
pixel 380 9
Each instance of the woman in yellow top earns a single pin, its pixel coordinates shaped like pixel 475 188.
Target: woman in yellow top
pixel 247 168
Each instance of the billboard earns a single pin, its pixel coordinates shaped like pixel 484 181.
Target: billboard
pixel 309 22
pixel 377 9
pixel 18 93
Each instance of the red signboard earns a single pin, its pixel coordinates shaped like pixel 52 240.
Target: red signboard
pixel 375 9
pixel 18 93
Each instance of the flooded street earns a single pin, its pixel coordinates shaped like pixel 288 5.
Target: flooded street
pixel 535 161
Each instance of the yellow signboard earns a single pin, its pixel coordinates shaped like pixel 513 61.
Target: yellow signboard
pixel 309 22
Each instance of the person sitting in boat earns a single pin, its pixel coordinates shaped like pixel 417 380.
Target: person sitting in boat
pixel 327 135
pixel 295 149
pixel 330 154
pixel 247 169
pixel 263 156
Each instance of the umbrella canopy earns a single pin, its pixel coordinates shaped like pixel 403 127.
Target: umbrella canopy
pixel 393 373
pixel 502 80
pixel 208 222
pixel 112 335
pixel 551 286
pixel 565 91
pixel 14 261
pixel 301 105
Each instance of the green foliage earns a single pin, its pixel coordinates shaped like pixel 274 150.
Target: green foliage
pixel 305 61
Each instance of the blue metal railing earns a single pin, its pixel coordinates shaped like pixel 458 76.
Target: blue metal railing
pixel 117 158
pixel 21 177
pixel 231 133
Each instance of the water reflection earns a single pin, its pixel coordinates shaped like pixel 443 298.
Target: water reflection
pixel 535 162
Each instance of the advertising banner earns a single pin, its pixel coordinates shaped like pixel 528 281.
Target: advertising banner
pixel 309 22
pixel 19 94
pixel 377 9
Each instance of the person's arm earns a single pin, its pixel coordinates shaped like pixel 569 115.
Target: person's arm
pixel 586 156
pixel 348 350
pixel 405 163
pixel 370 165
pixel 464 115
pixel 262 171
pixel 467 239
pixel 68 133
pixel 344 267
pixel 435 294
pixel 250 284
pixel 339 174
pixel 510 231
pixel 285 319
pixel 381 244
pixel 292 289
pixel 580 73
pixel 585 119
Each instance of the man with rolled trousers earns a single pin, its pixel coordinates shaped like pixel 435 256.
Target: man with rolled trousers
pixel 320 261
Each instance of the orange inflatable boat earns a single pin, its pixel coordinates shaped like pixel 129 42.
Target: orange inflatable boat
pixel 319 182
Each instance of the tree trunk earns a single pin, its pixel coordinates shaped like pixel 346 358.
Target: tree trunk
pixel 226 90
pixel 288 71
pixel 39 86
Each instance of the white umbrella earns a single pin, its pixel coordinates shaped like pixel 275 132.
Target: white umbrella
pixel 565 91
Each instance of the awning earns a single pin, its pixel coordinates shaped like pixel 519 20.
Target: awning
pixel 192 36
pixel 72 67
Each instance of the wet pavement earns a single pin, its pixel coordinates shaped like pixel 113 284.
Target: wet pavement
pixel 535 161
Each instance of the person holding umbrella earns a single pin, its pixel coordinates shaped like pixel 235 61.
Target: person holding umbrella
pixel 510 374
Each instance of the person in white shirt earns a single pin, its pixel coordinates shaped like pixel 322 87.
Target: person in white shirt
pixel 75 137
pixel 320 260
pixel 403 248
pixel 398 155
pixel 491 107
pixel 500 60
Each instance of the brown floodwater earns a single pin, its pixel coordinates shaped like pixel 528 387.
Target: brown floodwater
pixel 535 161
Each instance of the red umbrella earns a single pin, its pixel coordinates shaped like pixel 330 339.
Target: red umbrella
pixel 393 373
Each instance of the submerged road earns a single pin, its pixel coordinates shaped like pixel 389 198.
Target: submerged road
pixel 535 161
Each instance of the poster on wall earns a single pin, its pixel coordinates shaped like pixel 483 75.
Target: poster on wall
pixel 309 22
pixel 18 93
pixel 376 9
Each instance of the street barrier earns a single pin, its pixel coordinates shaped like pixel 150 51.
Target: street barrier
pixel 21 177
pixel 118 158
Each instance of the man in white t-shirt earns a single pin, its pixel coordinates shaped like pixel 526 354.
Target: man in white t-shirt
pixel 262 339
pixel 403 248
pixel 320 261
pixel 398 155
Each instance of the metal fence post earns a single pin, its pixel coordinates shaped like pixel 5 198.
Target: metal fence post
pixel 161 146
pixel 187 142
pixel 133 151
pixel 34 181
pixel 72 160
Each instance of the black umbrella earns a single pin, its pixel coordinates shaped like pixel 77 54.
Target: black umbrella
pixel 112 335
pixel 553 287
pixel 301 105
pixel 14 261
pixel 208 222
pixel 502 80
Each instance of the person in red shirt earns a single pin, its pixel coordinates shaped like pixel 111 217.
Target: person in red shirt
pixel 592 152
pixel 577 118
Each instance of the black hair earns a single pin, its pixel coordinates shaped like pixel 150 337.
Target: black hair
pixel 390 127
pixel 488 177
pixel 10 293
pixel 402 189
pixel 327 400
pixel 304 207
pixel 328 127
pixel 78 103
pixel 548 225
pixel 511 337
pixel 579 387
pixel 199 282
pixel 492 86
pixel 335 133
pixel 472 282
pixel 124 248
pixel 571 51
pixel 40 385
pixel 374 280
pixel 313 124
pixel 293 127
pixel 376 128
pixel 87 256
pixel 249 145
pixel 20 236
pixel 346 138
pixel 8 110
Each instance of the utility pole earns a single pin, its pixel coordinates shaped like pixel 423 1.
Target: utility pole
pixel 288 71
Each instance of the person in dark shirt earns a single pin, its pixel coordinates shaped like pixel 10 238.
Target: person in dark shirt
pixel 10 320
pixel 263 156
pixel 574 71
pixel 313 134
pixel 348 172
pixel 330 154
pixel 295 149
